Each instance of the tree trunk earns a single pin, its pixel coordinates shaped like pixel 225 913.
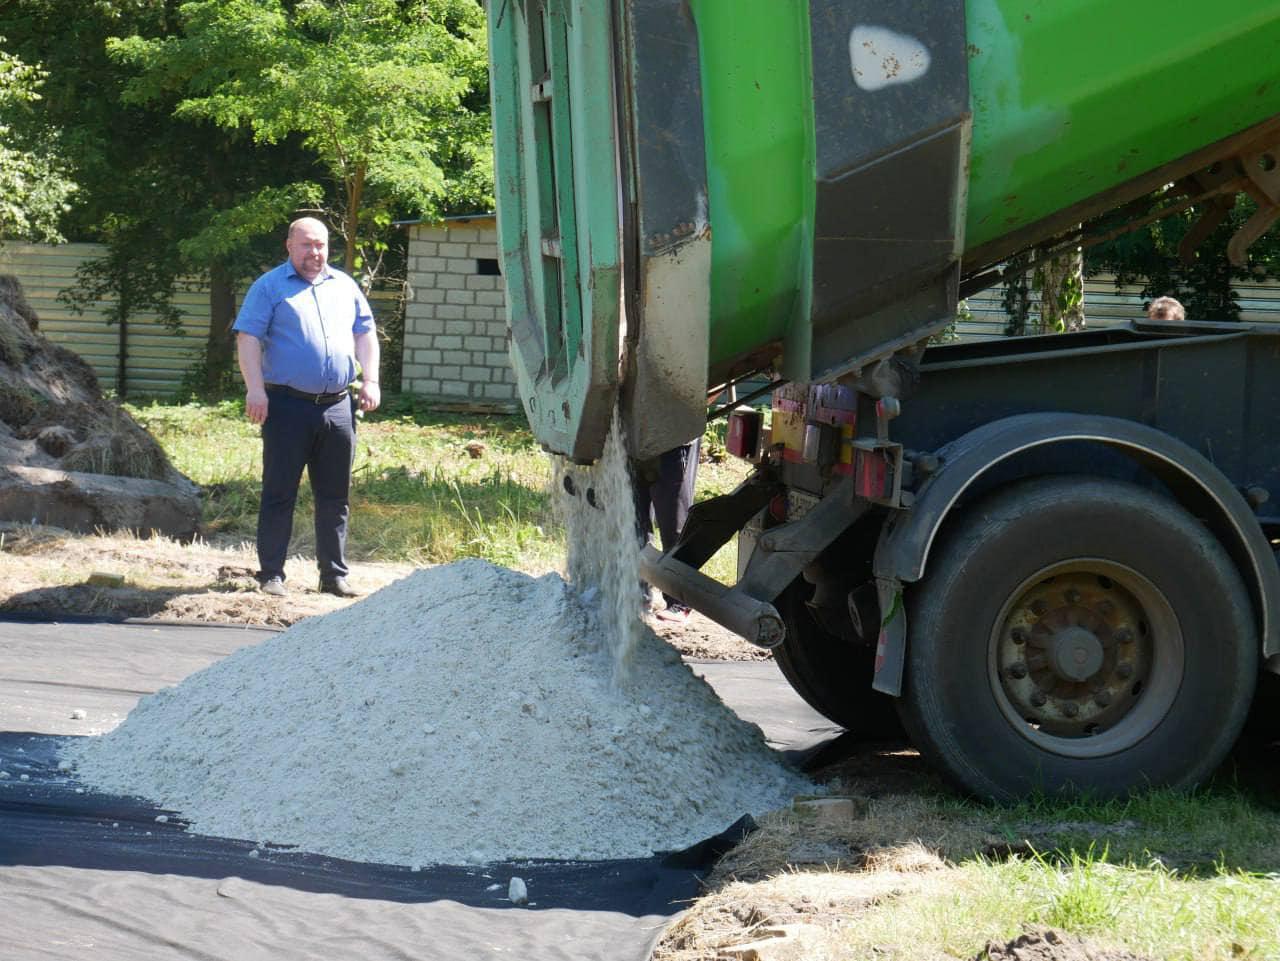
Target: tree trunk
pixel 355 193
pixel 122 345
pixel 1062 292
pixel 222 314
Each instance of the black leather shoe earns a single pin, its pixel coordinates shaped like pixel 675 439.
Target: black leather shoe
pixel 338 586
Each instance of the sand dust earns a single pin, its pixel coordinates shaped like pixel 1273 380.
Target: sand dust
pixel 603 546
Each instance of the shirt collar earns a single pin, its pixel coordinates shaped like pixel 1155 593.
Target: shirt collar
pixel 291 271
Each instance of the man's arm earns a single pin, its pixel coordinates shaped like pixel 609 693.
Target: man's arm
pixel 367 352
pixel 249 353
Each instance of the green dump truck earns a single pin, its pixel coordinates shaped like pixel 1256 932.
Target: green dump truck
pixel 1052 555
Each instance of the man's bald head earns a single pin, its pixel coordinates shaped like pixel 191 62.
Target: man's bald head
pixel 308 247
pixel 308 223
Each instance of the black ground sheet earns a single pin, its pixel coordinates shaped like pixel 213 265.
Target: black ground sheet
pixel 88 875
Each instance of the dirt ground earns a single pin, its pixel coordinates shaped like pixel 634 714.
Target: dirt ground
pixel 54 573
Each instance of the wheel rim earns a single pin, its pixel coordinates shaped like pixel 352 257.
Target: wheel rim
pixel 1086 657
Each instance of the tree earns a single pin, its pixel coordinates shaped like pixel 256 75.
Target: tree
pixel 1060 280
pixel 148 182
pixel 34 185
pixel 179 195
pixel 387 94
pixel 1057 284
pixel 1149 257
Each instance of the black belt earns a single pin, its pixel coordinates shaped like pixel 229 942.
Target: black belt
pixel 303 395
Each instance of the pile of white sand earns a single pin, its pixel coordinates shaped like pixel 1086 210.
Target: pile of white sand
pixel 465 714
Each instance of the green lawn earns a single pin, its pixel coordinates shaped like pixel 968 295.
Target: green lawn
pixel 418 495
pixel 1169 876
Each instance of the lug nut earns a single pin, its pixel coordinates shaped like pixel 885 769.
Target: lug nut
pixel 1039 698
pixel 1038 607
pixel 1072 596
pixel 1018 670
pixel 1124 671
pixel 1102 699
pixel 1124 635
pixel 1019 635
pixel 1070 709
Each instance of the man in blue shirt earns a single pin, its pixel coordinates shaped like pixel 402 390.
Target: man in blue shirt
pixel 300 334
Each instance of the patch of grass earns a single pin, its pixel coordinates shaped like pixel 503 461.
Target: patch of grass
pixel 1219 826
pixel 210 443
pixel 418 495
pixel 1150 911
pixel 437 516
pixel 1165 875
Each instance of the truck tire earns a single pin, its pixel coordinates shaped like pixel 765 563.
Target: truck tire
pixel 833 675
pixel 1077 635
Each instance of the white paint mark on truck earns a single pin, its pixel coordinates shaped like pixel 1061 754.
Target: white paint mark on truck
pixel 882 57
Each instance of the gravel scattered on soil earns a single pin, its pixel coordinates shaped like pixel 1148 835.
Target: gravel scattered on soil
pixel 1048 945
pixel 464 714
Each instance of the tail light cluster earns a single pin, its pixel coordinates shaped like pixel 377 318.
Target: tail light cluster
pixel 817 424
pixel 812 424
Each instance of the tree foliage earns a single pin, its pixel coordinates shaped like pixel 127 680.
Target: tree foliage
pixel 34 181
pixel 148 182
pixel 197 130
pixel 387 94
pixel 1205 286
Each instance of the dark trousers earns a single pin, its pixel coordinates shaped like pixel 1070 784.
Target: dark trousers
pixel 663 489
pixel 321 437
pixel 664 492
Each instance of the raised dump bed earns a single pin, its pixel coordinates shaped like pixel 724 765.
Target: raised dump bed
pixel 689 189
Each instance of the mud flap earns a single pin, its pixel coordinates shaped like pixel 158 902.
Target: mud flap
pixel 891 647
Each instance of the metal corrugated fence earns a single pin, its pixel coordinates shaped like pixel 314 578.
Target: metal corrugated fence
pixel 156 357
pixel 1104 305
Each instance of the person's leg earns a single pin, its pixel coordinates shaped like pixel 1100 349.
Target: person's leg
pixel 673 491
pixel 672 497
pixel 286 440
pixel 641 481
pixel 330 471
pixel 643 503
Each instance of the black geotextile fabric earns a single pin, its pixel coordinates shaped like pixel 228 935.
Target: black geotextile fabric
pixel 93 875
pixel 43 821
pixel 47 828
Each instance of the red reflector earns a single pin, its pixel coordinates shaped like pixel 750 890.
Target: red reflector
pixel 778 507
pixel 743 437
pixel 873 476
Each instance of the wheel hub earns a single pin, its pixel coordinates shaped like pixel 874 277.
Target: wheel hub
pixel 1075 653
pixel 1074 650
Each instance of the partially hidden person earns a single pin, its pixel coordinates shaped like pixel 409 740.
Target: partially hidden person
pixel 303 334
pixel 663 490
pixel 1166 308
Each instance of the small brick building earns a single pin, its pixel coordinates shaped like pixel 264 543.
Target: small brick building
pixel 455 328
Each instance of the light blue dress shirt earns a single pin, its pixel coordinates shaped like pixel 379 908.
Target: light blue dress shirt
pixel 307 328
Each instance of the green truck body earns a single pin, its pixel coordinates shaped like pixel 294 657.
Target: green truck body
pixel 799 182
pixel 1049 557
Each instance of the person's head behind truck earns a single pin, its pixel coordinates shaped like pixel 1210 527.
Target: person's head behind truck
pixel 1166 308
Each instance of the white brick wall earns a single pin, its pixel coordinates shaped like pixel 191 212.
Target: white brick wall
pixel 455 331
